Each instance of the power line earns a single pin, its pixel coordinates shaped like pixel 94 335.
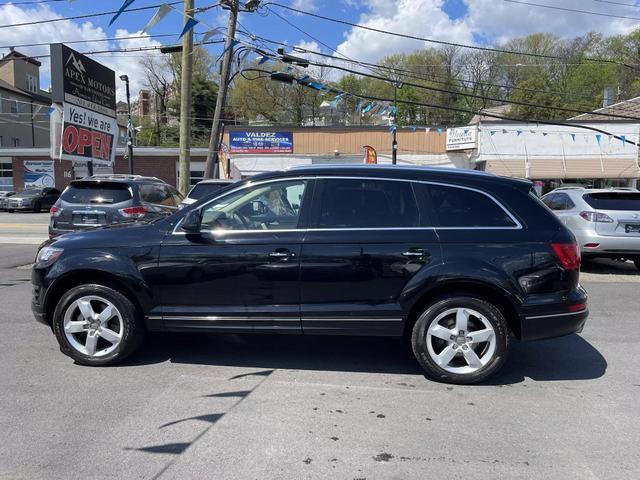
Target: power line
pixel 617 3
pixel 80 17
pixel 30 2
pixel 414 75
pixel 572 10
pixel 472 95
pixel 94 40
pixel 440 42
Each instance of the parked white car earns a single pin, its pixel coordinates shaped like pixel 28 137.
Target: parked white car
pixel 606 222
pixel 204 188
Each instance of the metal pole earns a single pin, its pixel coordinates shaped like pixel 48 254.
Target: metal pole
pixel 211 168
pixel 184 170
pixel 130 128
pixel 394 143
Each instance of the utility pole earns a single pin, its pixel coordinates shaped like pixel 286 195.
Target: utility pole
pixel 184 171
pixel 211 167
pixel 394 143
pixel 125 79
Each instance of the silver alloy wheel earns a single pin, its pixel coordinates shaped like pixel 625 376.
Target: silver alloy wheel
pixel 93 326
pixel 461 340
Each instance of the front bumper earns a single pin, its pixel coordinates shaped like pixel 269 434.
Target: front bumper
pixel 549 316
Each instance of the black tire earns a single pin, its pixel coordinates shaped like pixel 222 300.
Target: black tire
pixel 441 305
pixel 37 207
pixel 10 211
pixel 133 326
pixel 636 262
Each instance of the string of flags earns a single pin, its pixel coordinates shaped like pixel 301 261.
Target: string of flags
pixel 571 135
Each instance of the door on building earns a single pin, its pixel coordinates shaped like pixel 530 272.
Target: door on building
pixel 241 272
pixel 6 174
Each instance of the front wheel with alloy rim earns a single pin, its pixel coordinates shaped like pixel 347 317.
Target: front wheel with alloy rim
pixel 97 325
pixel 460 339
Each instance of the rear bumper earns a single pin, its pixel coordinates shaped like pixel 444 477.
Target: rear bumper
pixel 549 316
pixel 607 244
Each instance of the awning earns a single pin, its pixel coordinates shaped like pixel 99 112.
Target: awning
pixel 558 168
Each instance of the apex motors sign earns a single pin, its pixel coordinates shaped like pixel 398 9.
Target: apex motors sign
pixel 88 94
pixel 77 79
pixel 261 142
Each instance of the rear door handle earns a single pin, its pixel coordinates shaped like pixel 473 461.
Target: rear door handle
pixel 282 253
pixel 415 253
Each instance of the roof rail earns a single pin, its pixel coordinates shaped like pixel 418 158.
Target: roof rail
pixel 121 176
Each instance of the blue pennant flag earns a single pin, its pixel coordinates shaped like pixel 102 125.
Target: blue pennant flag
pixel 623 139
pixel 51 110
pixel 544 134
pixel 231 46
pixel 439 131
pixel 358 105
pixel 392 128
pixel 124 6
pixel 466 130
pixel 192 22
pixel 317 86
pixel 573 136
pixel 367 108
pixel 263 59
pixel 393 111
pixel 413 128
pixel 598 138
pixel 519 132
pixel 492 132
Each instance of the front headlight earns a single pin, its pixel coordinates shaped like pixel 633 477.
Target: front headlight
pixel 48 255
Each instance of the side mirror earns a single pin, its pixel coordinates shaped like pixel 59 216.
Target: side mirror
pixel 191 222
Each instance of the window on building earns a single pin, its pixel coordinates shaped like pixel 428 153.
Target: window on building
pixel 6 175
pixel 32 83
pixel 367 204
pixel 461 207
pixel 15 142
pixel 13 105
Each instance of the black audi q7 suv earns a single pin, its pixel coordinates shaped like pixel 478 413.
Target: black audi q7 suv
pixel 459 262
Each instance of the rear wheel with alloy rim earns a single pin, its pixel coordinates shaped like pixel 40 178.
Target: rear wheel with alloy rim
pixel 96 325
pixel 36 207
pixel 460 339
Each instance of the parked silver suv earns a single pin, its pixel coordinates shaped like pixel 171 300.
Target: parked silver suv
pixel 606 222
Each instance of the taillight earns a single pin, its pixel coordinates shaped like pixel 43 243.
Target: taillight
pixel 133 212
pixel 596 217
pixel 55 211
pixel 568 254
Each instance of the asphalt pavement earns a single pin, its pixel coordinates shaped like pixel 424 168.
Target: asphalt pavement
pixel 24 228
pixel 287 407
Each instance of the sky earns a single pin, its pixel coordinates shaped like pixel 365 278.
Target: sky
pixel 480 22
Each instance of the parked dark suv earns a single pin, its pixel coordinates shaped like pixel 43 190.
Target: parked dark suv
pixel 460 262
pixel 111 199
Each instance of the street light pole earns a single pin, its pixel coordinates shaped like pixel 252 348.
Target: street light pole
pixel 125 79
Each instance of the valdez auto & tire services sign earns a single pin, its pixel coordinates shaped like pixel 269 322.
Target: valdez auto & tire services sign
pixel 87 90
pixel 261 142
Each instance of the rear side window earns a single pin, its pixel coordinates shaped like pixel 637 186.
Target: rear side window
pixel 613 200
pixel 347 203
pixel 558 201
pixel 460 207
pixel 204 189
pixel 96 193
pixel 158 194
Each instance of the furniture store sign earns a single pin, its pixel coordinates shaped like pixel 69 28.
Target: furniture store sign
pixel 77 79
pixel 462 138
pixel 88 135
pixel 261 142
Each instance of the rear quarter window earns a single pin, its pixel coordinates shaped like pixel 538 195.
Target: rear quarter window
pixel 94 193
pixel 460 207
pixel 613 200
pixel 204 189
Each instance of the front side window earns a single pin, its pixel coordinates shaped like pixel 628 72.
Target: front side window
pixel 157 194
pixel 463 208
pixel 355 203
pixel 270 206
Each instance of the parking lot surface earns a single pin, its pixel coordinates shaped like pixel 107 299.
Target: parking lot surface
pixel 275 407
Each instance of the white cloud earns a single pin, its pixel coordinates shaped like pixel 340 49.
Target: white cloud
pixel 412 17
pixel 491 20
pixel 122 63
pixel 306 5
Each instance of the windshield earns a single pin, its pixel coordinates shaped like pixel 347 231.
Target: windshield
pixel 613 200
pixel 29 192
pixel 204 189
pixel 96 193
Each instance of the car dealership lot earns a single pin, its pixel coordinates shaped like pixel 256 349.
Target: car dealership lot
pixel 206 406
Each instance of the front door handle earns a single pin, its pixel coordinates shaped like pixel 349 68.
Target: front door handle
pixel 282 253
pixel 415 253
